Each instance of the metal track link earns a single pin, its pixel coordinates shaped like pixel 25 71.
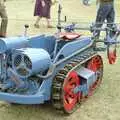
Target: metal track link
pixel 57 86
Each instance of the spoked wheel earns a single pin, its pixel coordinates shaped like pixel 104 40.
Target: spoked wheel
pixel 70 98
pixel 64 96
pixel 96 65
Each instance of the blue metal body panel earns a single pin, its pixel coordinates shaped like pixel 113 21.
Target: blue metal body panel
pixel 87 77
pixel 72 47
pixel 42 41
pixel 13 43
pixel 43 94
pixel 22 99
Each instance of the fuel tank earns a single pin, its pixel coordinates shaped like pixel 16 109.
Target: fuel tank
pixel 13 43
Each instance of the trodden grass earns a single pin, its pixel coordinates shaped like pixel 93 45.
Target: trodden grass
pixel 103 105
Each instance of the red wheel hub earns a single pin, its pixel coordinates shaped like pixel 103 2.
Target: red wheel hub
pixel 96 65
pixel 70 98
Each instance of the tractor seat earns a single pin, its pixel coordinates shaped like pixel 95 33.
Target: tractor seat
pixel 68 35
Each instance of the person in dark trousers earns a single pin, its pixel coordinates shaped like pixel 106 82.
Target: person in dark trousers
pixel 42 9
pixel 4 19
pixel 105 12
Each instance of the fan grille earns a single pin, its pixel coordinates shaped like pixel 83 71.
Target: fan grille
pixel 22 65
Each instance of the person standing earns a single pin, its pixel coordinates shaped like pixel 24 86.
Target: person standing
pixel 105 12
pixel 42 9
pixel 4 21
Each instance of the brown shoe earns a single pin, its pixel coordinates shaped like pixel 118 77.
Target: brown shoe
pixel 49 26
pixel 36 26
pixel 3 36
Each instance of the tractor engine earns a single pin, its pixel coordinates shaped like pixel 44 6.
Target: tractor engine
pixel 30 61
pixel 19 66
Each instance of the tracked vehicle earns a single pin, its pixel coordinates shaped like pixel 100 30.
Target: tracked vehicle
pixel 64 68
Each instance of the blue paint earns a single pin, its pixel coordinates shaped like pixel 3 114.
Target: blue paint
pixel 13 43
pixel 38 58
pixel 42 41
pixel 72 47
pixel 22 99
pixel 81 88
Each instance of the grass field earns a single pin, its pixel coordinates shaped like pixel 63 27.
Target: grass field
pixel 103 105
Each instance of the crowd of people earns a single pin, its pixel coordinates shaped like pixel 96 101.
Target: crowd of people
pixel 43 7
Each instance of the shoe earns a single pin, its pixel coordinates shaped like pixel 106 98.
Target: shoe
pixel 49 26
pixel 36 26
pixel 2 36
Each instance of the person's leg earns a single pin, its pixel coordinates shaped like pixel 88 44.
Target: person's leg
pixel 100 18
pixel 99 21
pixel 37 22
pixel 48 23
pixel 47 14
pixel 4 22
pixel 110 20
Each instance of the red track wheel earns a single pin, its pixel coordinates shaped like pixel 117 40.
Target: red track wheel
pixel 64 95
pixel 95 64
pixel 70 99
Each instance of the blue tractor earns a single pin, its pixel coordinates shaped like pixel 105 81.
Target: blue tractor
pixel 64 68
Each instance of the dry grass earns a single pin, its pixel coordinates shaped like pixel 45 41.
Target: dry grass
pixel 103 105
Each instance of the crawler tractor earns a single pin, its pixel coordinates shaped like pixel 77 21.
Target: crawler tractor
pixel 64 68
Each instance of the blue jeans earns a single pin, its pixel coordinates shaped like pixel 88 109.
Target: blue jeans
pixel 105 12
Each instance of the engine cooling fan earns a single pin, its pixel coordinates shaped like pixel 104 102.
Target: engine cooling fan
pixel 29 61
pixel 22 64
